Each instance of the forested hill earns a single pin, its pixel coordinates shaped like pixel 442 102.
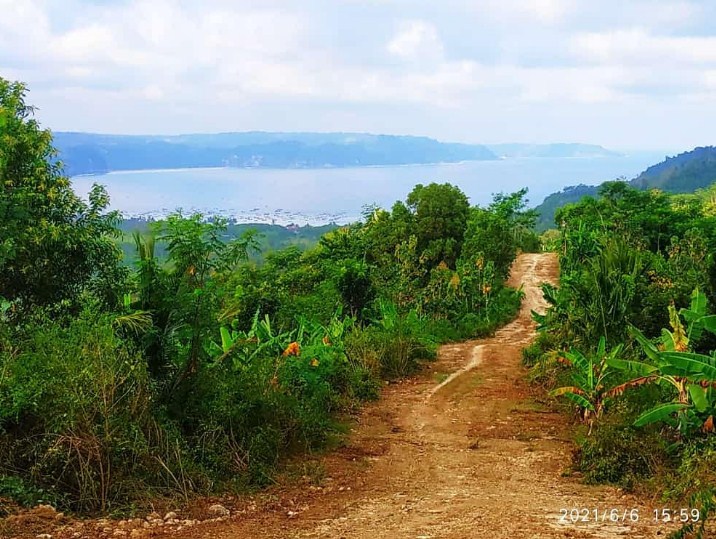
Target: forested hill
pixel 87 153
pixel 684 173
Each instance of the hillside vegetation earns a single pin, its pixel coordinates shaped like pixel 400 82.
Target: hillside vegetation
pixel 684 173
pixel 200 371
pixel 268 237
pixel 629 341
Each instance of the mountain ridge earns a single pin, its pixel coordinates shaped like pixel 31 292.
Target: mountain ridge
pixel 682 173
pixel 95 153
pixel 98 153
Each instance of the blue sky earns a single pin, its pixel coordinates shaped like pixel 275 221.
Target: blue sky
pixel 629 75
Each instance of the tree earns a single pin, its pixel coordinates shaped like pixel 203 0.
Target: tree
pixel 441 213
pixel 52 244
pixel 496 232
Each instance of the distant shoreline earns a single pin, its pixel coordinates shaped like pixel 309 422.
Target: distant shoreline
pixel 403 165
pixel 185 169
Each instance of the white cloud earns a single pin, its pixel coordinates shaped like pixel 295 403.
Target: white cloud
pixel 416 40
pixel 546 12
pixel 226 64
pixel 637 46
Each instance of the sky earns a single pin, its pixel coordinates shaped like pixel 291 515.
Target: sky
pixel 636 74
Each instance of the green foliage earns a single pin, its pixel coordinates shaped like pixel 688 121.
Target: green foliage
pixel 628 260
pixel 691 375
pixel 53 246
pixel 620 454
pixel 197 367
pixel 27 495
pixel 688 172
pixel 500 230
pixel 439 214
pixel 589 376
pixel 74 409
pixel 694 481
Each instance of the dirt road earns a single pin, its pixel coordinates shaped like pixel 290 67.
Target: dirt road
pixel 461 452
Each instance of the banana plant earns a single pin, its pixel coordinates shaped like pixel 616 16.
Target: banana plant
pixel 245 346
pixel 693 376
pixel 696 318
pixel 589 374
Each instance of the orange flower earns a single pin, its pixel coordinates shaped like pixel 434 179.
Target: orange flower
pixel 479 263
pixel 442 265
pixel 293 349
pixel 314 362
pixel 486 289
pixel 327 341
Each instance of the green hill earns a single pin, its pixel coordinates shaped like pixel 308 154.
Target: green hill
pixel 683 173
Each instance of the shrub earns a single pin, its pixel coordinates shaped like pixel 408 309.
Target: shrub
pixel 394 345
pixel 74 410
pixel 693 483
pixel 620 454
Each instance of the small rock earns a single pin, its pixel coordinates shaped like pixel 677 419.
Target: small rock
pixel 137 534
pixel 171 515
pixel 219 510
pixel 292 514
pixel 154 516
pixel 119 533
pixel 44 536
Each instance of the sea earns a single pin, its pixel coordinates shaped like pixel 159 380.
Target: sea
pixel 340 195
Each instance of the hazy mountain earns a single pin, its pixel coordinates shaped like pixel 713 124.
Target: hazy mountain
pixel 684 173
pixel 550 150
pixel 86 153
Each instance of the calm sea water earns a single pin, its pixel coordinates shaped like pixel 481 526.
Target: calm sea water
pixel 325 195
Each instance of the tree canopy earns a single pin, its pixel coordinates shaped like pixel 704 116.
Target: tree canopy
pixel 52 244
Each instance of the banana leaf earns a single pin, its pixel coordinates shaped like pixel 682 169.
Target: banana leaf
pixel 638 368
pixel 574 394
pixel 693 366
pixel 698 397
pixel 659 413
pixel 651 351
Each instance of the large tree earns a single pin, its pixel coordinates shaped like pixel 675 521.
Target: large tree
pixel 52 244
pixel 440 215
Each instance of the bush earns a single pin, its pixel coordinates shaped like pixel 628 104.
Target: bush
pixel 394 346
pixel 75 410
pixel 693 482
pixel 620 454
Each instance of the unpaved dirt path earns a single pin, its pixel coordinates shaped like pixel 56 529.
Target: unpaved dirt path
pixel 461 452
